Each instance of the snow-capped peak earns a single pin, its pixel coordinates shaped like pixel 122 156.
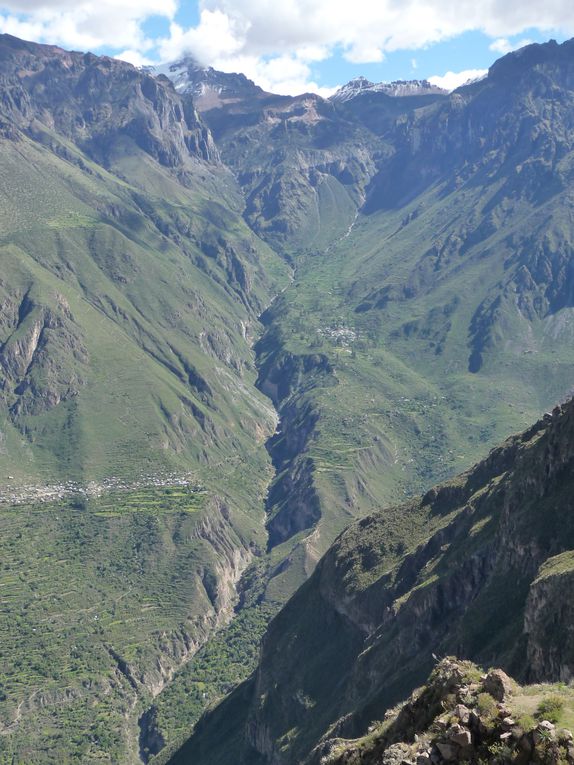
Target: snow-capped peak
pixel 208 87
pixel 398 88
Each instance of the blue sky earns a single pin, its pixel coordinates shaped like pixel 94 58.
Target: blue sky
pixel 467 51
pixel 296 45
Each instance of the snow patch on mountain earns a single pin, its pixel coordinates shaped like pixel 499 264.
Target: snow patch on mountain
pixel 399 88
pixel 208 87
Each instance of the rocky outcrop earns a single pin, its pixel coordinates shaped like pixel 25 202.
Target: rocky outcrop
pixel 43 360
pixel 455 718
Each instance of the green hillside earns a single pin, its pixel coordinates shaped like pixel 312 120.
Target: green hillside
pixel 132 458
pixel 94 339
pixel 225 337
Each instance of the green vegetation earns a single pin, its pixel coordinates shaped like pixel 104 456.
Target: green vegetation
pixel 424 322
pixel 559 564
pixel 91 594
pixel 486 705
pixel 213 672
pixel 167 499
pixel 550 708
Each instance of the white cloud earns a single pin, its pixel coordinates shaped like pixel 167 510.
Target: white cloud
pixel 279 40
pixel 231 32
pixel 219 41
pixel 134 57
pixel 365 54
pixel 84 24
pixel 453 80
pixel 366 30
pixel 286 74
pixel 217 36
pixel 503 45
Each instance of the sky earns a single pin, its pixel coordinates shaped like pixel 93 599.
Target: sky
pixel 295 46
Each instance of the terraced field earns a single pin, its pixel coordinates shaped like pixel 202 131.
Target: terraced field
pixel 100 599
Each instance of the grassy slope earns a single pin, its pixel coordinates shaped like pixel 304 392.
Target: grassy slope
pixel 460 569
pixel 110 575
pixel 402 415
pixel 159 337
pixel 141 305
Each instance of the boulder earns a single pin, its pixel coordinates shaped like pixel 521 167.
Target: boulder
pixel 498 684
pixel 460 735
pixel 462 712
pixel 397 754
pixel 546 725
pixel 448 750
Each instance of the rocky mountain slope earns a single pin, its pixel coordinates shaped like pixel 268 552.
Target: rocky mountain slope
pixel 431 239
pixel 208 87
pixel 478 566
pixel 127 269
pixel 233 323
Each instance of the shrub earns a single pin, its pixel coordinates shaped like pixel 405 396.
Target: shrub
pixel 526 723
pixel 499 752
pixel 550 709
pixel 486 704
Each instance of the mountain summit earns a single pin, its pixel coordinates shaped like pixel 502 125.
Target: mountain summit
pixel 360 86
pixel 208 87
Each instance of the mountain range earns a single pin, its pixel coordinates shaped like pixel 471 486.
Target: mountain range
pixel 233 324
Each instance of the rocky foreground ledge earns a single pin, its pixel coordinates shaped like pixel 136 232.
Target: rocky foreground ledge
pixel 464 715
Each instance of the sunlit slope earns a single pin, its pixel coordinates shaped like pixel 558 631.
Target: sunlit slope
pixel 128 310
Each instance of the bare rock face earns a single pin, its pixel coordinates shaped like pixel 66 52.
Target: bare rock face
pixel 460 735
pixel 549 620
pixel 43 357
pixel 97 100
